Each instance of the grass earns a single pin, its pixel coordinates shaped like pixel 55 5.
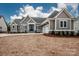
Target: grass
pixel 39 45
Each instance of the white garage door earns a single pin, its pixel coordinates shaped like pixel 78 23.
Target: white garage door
pixel 45 29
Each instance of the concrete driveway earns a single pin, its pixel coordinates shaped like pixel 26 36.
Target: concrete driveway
pixel 6 34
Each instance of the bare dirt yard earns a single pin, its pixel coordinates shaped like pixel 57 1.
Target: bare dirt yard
pixel 38 45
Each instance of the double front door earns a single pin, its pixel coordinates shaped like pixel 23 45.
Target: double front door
pixel 31 27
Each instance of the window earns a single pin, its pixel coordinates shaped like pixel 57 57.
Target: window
pixel 31 27
pixel 63 24
pixel 13 26
pixel 18 27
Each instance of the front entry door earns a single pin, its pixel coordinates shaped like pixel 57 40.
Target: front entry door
pixel 31 27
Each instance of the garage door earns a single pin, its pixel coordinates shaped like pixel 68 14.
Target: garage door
pixel 45 29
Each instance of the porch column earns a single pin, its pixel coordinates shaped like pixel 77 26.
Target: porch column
pixel 55 24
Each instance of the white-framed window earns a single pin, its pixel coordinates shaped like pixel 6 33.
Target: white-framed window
pixel 63 24
pixel 13 26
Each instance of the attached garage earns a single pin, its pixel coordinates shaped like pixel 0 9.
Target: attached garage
pixel 45 29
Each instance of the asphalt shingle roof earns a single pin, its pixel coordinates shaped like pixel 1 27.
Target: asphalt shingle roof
pixel 38 20
pixel 53 14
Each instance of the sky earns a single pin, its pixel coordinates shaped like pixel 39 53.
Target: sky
pixel 11 11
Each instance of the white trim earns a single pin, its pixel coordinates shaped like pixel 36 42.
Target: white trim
pixel 55 24
pixel 63 19
pixel 70 24
pixel 23 20
pixel 47 20
pixel 65 12
pixel 24 24
pixel 63 30
pixel 49 24
pixel 14 24
pixel 69 13
pixel 34 26
pixel 63 24
pixel 28 20
pixel 31 19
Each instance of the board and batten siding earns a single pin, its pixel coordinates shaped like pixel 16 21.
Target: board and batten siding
pixel 52 25
pixel 63 15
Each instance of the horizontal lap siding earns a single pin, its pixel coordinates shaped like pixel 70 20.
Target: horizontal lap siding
pixel 13 29
pixel 58 28
pixel 22 28
pixel 72 24
pixel 38 28
pixel 52 24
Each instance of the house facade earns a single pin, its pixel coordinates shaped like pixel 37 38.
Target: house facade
pixel 27 24
pixel 3 25
pixel 58 21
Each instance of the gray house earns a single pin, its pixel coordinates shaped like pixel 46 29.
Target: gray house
pixel 27 24
pixel 57 22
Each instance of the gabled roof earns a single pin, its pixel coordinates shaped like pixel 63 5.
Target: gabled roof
pixel 25 18
pixel 77 18
pixel 38 20
pixel 17 21
pixel 53 14
pixel 56 13
pixel 64 10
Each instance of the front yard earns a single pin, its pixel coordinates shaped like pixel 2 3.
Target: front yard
pixel 39 45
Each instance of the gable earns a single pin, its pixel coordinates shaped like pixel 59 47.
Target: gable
pixel 63 15
pixel 25 20
pixel 13 22
pixel 31 21
pixel 38 20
